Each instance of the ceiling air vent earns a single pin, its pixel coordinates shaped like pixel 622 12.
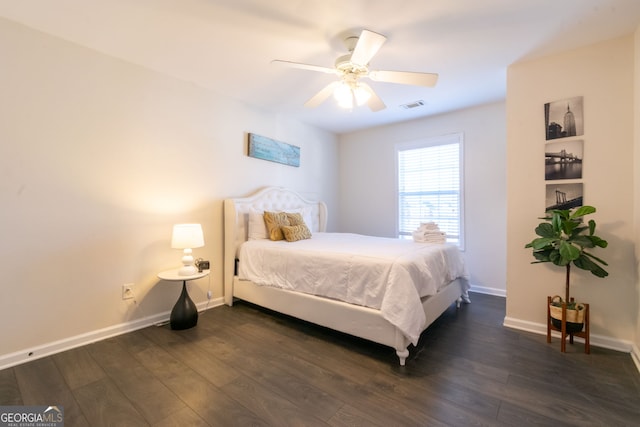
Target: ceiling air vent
pixel 413 104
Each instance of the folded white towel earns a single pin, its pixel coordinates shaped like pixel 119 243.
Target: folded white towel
pixel 434 241
pixel 429 237
pixel 428 233
pixel 428 226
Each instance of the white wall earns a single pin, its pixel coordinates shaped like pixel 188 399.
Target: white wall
pixel 603 75
pixel 368 194
pixel 98 159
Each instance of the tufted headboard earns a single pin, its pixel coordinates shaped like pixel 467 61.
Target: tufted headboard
pixel 236 218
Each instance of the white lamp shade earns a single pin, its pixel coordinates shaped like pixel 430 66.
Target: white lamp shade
pixel 343 95
pixel 187 236
pixel 361 95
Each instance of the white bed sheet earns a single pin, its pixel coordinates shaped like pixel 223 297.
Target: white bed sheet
pixel 390 275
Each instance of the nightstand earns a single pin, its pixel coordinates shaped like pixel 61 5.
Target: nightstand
pixel 185 313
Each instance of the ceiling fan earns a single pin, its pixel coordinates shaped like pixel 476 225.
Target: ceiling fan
pixel 349 90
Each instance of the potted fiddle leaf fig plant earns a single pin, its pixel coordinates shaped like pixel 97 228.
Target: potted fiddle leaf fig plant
pixel 563 239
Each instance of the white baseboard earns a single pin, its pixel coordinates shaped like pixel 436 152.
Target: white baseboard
pixel 635 355
pixel 29 354
pixel 489 291
pixel 595 340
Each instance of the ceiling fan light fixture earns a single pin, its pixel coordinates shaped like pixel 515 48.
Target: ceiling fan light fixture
pixel 347 94
pixel 361 95
pixel 343 95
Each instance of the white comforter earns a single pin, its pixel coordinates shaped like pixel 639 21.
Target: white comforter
pixel 390 275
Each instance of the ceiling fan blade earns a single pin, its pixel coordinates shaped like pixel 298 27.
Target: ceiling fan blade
pixel 305 66
pixel 367 46
pixel 374 102
pixel 404 77
pixel 321 96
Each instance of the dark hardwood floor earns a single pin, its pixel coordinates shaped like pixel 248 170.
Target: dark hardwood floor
pixel 244 366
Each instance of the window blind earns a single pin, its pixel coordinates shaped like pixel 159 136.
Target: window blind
pixel 429 186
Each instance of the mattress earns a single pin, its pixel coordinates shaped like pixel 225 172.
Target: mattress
pixel 391 275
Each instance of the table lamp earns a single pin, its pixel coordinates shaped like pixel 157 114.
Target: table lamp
pixel 187 236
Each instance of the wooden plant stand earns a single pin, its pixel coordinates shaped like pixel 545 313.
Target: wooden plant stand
pixel 563 331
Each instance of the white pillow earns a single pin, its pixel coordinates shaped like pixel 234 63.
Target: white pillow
pixel 306 216
pixel 257 227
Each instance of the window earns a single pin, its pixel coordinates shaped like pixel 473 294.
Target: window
pixel 430 186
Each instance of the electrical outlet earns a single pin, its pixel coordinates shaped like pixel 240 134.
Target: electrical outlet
pixel 209 294
pixel 127 291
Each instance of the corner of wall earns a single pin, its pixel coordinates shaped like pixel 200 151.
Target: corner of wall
pixel 636 180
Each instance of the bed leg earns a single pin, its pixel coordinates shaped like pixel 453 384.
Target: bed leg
pixel 458 302
pixel 402 355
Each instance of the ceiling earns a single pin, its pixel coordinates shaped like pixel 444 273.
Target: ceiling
pixel 227 45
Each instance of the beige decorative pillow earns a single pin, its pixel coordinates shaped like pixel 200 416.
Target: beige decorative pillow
pixel 295 218
pixel 293 233
pixel 274 222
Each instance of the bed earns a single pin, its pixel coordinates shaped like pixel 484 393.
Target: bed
pixel 392 321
